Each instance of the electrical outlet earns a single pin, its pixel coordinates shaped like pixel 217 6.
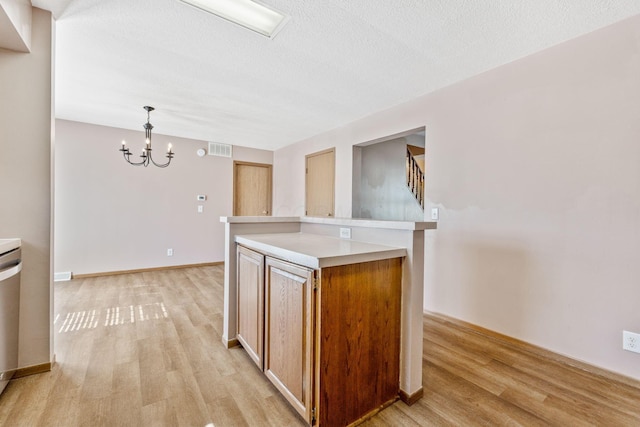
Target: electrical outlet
pixel 169 252
pixel 345 233
pixel 200 208
pixel 631 341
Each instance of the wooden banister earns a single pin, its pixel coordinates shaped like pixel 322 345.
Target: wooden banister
pixel 415 174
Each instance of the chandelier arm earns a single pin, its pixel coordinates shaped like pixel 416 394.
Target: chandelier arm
pixel 126 157
pixel 164 165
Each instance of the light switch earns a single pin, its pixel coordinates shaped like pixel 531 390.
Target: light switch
pixel 200 208
pixel 435 214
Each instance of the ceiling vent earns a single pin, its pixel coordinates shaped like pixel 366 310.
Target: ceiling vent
pixel 219 149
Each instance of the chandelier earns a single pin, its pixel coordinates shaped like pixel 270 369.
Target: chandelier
pixel 146 155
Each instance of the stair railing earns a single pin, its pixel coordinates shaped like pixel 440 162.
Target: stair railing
pixel 415 178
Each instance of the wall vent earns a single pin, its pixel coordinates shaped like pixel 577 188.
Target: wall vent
pixel 62 277
pixel 219 149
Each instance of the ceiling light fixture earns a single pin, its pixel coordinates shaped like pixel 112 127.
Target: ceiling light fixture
pixel 250 14
pixel 146 152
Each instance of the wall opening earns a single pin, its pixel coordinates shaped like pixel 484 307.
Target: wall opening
pixel 379 178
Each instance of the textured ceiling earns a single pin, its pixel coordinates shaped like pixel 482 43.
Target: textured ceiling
pixel 334 62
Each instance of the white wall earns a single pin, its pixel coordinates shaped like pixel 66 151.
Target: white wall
pixel 15 25
pixel 535 166
pixel 111 216
pixel 26 127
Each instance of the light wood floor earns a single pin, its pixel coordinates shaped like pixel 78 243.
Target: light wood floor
pixel 144 350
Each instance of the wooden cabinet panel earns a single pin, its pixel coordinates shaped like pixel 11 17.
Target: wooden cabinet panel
pixel 289 332
pixel 358 336
pixel 250 288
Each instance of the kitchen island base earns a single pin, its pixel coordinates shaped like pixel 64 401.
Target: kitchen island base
pixel 329 339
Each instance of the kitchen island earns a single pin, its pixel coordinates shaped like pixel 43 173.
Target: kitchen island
pixel 321 317
pixel 397 237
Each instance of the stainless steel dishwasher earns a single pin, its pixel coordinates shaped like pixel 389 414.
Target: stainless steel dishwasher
pixel 10 267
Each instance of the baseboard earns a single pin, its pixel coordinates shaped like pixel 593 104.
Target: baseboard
pixel 372 413
pixel 32 370
pixel 412 398
pixel 145 270
pixel 534 349
pixel 233 342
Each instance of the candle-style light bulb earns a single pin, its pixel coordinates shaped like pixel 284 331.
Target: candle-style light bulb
pixel 123 143
pixel 169 148
pixel 148 141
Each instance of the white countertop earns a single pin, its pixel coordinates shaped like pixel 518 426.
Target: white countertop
pixel 253 219
pixel 7 245
pixel 371 223
pixel 347 222
pixel 317 251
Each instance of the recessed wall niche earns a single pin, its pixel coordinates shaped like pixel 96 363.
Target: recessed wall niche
pixel 379 179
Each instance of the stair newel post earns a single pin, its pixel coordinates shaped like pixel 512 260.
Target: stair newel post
pixel 408 168
pixel 415 176
pixel 417 195
pixel 422 189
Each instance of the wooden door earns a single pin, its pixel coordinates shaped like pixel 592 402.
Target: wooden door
pixel 250 279
pixel 288 337
pixel 320 183
pixel 251 189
